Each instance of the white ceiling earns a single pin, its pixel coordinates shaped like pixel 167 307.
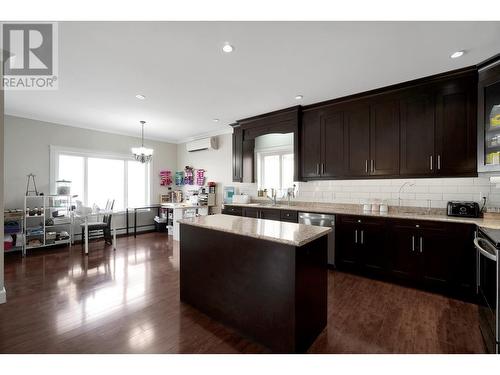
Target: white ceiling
pixel 188 81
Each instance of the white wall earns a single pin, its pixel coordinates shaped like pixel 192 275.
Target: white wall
pixel 217 163
pixel 27 145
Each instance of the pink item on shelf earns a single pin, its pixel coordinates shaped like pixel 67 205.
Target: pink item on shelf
pixel 165 178
pixel 200 177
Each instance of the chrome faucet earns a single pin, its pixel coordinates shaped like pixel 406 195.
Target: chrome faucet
pixel 407 183
pixel 290 193
pixel 273 196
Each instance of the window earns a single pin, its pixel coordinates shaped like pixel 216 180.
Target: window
pixel 275 170
pixel 96 178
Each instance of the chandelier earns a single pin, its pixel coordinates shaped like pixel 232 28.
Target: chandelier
pixel 142 153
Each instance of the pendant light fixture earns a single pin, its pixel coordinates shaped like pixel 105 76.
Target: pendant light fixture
pixel 142 154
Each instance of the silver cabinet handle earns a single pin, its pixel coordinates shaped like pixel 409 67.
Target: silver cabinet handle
pixel 439 161
pixel 317 169
pixel 322 168
pixel 372 165
pixel 431 162
pixel 412 243
pixel 362 232
pixel 356 236
pixel 421 244
pixel 366 165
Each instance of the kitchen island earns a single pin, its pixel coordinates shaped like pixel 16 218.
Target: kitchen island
pixel 266 279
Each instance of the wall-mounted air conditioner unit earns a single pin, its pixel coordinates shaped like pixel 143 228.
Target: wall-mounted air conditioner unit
pixel 202 144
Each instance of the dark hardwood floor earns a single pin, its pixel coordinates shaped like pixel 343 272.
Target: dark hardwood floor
pixel 127 301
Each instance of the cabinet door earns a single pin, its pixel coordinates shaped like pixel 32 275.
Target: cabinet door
pixel 456 129
pixel 463 261
pixel 347 245
pixel 417 134
pixel 311 144
pixel 248 161
pixel 251 212
pixel 404 247
pixel 332 137
pixel 373 246
pixel 437 256
pixel 357 140
pixel 270 214
pixel 237 154
pixel 384 138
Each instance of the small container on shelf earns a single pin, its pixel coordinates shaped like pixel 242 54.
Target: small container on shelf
pixel 63 187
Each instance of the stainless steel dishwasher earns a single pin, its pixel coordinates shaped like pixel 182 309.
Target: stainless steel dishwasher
pixel 322 220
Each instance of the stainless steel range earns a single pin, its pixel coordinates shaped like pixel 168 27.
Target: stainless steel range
pixel 487 244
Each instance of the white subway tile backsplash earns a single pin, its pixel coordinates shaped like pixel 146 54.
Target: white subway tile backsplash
pixel 403 195
pixel 443 189
pixel 429 196
pixel 342 195
pixel 417 193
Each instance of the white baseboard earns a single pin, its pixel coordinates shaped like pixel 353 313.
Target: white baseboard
pixel 3 296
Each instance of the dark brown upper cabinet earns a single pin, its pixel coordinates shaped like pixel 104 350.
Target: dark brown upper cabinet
pixel 352 140
pixel 333 150
pixel 384 138
pixel 438 128
pixel 311 145
pixel 357 140
pixel 417 133
pixel 456 127
pixel 323 143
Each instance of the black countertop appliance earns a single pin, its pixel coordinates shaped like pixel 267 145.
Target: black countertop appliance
pixel 463 209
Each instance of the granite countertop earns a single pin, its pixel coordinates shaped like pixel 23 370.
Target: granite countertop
pixel 394 212
pixel 270 230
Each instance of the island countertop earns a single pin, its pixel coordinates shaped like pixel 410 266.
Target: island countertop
pixel 270 230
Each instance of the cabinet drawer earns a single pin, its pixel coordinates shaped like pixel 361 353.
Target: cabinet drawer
pixel 423 224
pixel 291 216
pixel 359 219
pixel 233 210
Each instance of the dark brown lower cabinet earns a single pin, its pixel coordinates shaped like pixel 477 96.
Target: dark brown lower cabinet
pixel 232 210
pixel 262 213
pixel 428 254
pixel 420 252
pixel 360 244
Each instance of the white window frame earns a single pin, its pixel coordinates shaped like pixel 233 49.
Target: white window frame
pixel 259 155
pixel 55 151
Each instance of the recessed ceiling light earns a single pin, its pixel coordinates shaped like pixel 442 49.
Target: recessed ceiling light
pixel 299 97
pixel 140 97
pixel 457 54
pixel 216 120
pixel 228 48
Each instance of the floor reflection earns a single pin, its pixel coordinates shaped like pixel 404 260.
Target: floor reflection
pixel 101 284
pixel 61 301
